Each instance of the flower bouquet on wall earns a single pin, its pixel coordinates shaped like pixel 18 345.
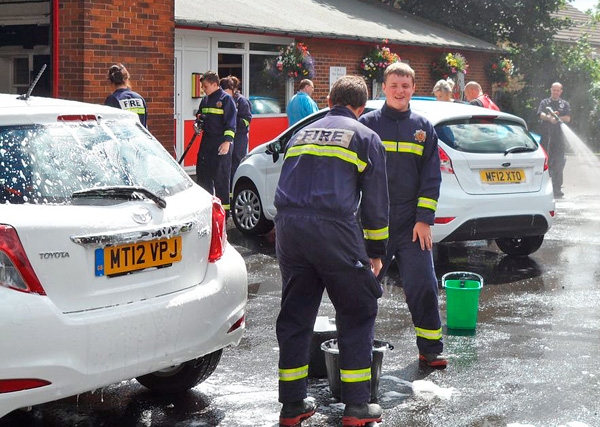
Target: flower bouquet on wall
pixel 451 66
pixel 293 62
pixel 500 71
pixel 374 64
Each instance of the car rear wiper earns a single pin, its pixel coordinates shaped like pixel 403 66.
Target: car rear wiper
pixel 121 192
pixel 519 149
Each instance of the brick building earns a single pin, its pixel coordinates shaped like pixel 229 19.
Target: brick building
pixel 165 44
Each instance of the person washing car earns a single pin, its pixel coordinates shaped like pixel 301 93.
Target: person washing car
pixel 553 139
pixel 330 167
pixel 414 178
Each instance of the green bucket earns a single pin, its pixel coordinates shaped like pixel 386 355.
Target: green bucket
pixel 462 298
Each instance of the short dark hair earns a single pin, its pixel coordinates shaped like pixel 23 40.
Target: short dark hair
pixel 210 77
pixel 349 90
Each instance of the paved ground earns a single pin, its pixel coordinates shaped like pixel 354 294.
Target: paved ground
pixel 530 362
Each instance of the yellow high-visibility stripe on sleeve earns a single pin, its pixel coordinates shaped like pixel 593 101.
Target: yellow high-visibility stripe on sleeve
pixel 427 203
pixel 380 234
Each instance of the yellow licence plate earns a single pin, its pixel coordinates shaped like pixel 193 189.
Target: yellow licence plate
pixel 121 259
pixel 502 176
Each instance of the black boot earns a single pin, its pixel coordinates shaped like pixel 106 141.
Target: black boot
pixel 361 415
pixel 293 413
pixel 433 360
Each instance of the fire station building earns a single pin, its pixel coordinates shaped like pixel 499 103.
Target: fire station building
pixel 167 44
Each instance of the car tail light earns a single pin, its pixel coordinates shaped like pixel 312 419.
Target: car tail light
pixel 445 162
pixel 18 384
pixel 444 219
pixel 15 270
pixel 219 232
pixel 240 322
pixel 545 159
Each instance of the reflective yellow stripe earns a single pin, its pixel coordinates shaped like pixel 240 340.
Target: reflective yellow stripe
pixel 246 122
pixel 390 145
pixel 226 207
pixel 208 110
pixel 327 151
pixel 381 234
pixel 429 334
pixel 425 202
pixel 293 374
pixel 355 375
pixel 139 110
pixel 229 133
pixel 403 147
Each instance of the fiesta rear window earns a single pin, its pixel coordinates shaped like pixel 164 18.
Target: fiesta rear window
pixel 484 135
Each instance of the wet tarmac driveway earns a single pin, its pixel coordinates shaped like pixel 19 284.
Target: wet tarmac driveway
pixel 531 361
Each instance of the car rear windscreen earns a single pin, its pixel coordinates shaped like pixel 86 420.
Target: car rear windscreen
pixel 483 135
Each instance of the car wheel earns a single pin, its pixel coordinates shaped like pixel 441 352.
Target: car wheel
pixel 247 211
pixel 180 378
pixel 520 246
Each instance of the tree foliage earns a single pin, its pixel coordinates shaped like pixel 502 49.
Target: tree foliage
pixel 526 29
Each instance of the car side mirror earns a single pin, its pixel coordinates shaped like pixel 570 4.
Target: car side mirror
pixel 274 148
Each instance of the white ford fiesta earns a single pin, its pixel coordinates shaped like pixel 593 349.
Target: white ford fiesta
pixel 114 264
pixel 495 180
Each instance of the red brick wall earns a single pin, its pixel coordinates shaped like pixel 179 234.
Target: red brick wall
pixel 93 35
pixel 328 53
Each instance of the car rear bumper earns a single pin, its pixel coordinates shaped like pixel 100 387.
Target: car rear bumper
pixel 92 349
pixel 499 227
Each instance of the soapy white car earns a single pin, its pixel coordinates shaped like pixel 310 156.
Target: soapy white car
pixel 114 264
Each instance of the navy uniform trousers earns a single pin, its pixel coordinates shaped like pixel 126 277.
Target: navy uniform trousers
pixel 419 281
pixel 316 254
pixel 212 170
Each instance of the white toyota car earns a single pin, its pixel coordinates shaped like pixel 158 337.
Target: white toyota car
pixel 114 264
pixel 495 180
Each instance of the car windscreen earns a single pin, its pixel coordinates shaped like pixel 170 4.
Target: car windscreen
pixel 485 135
pixel 47 163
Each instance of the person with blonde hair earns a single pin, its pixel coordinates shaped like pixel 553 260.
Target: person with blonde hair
pixel 443 90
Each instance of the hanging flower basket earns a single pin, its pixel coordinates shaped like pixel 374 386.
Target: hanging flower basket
pixel 293 62
pixel 500 71
pixel 449 65
pixel 377 60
